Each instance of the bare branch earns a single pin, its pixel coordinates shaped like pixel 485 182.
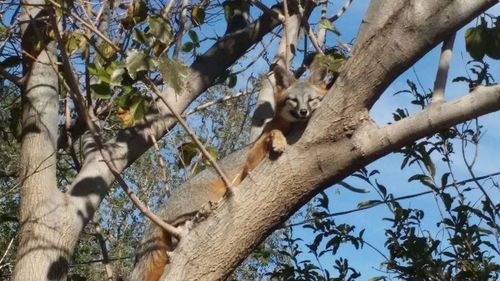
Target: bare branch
pixel 266 10
pixel 341 11
pixel 89 26
pixel 7 251
pixel 322 30
pixel 314 40
pixel 288 56
pixel 105 255
pixel 163 169
pixel 217 101
pixel 11 77
pixel 193 136
pixel 442 73
pixel 71 83
pixel 378 203
pixel 167 9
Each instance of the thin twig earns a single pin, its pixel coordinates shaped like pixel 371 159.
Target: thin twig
pixel 217 101
pixel 285 29
pixel 322 29
pixel 7 250
pixel 89 26
pixel 182 26
pixel 442 73
pixel 167 9
pixel 267 10
pixel 193 136
pixel 314 40
pixel 163 169
pixel 11 77
pixel 341 11
pixel 74 91
pixel 375 204
pixel 105 255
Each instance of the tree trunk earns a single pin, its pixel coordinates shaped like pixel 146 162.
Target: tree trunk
pixel 43 252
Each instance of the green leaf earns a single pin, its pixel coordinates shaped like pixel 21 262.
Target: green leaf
pixel 160 29
pixel 99 72
pixel 174 72
pixel 132 108
pixel 187 152
pixel 106 51
pixel 101 90
pixel 140 37
pixel 213 152
pixel 429 164
pixel 75 41
pixel 352 188
pixel 197 15
pixel 476 41
pixel 444 179
pixel 493 45
pixel 187 47
pixel 140 11
pixel 328 25
pixel 368 203
pixel 117 76
pixel 11 62
pixel 194 38
pixel 232 79
pixel 137 61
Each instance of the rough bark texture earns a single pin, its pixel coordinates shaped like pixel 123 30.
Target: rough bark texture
pixel 43 246
pixel 340 139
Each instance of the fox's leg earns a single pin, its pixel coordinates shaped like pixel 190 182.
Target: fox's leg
pixel 277 140
pixel 256 154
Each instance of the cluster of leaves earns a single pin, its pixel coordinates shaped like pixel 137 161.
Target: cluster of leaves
pixel 469 252
pixel 484 40
pixel 328 237
pixel 9 198
pixel 469 249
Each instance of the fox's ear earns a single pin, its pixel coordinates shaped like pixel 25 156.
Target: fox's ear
pixel 318 76
pixel 284 78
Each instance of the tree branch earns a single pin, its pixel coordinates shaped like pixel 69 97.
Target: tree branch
pixel 442 73
pixel 306 168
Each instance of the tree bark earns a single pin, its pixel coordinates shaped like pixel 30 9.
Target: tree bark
pixel 340 138
pixel 51 221
pixel 43 247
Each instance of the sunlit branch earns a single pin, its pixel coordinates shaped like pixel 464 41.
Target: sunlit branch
pixel 71 83
pixel 442 73
pixel 341 11
pixel 193 136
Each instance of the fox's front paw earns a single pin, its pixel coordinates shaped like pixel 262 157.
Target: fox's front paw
pixel 278 141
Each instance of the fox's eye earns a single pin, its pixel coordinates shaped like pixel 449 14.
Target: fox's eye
pixel 292 102
pixel 314 103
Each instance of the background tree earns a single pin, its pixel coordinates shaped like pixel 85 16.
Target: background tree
pixel 88 88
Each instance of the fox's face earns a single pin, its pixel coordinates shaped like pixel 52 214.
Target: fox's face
pixel 299 101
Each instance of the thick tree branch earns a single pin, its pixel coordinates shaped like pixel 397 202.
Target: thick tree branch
pixel 409 31
pixel 282 186
pixel 339 140
pixel 92 183
pixel 442 73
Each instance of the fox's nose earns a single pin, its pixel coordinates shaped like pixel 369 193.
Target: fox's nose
pixel 303 112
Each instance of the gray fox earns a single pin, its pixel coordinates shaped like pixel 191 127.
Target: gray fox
pixel 295 102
